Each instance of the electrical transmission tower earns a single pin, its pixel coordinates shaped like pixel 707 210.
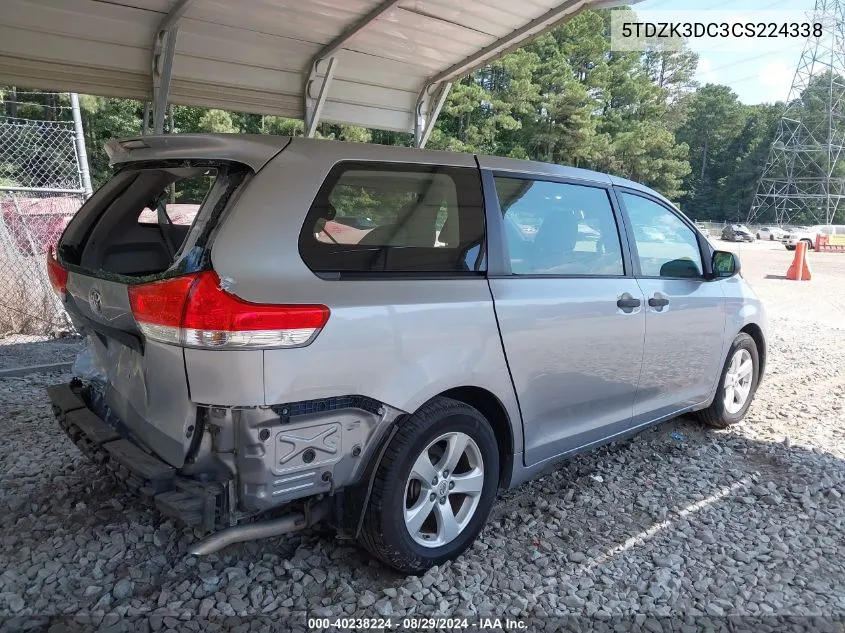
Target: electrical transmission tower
pixel 803 180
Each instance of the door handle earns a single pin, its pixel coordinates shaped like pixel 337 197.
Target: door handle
pixel 628 302
pixel 658 302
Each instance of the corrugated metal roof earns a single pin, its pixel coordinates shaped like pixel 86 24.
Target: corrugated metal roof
pixel 255 55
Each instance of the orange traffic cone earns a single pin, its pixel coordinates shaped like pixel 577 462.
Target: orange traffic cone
pixel 799 270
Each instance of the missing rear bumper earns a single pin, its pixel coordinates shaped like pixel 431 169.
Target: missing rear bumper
pixel 278 458
pixel 195 503
pixel 293 522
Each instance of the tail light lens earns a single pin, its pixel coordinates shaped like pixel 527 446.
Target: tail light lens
pixel 57 274
pixel 194 311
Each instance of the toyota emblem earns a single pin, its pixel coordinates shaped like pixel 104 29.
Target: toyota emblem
pixel 95 301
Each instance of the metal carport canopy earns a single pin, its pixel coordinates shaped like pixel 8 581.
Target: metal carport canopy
pixel 385 64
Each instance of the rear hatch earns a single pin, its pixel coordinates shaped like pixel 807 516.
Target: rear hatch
pixel 128 260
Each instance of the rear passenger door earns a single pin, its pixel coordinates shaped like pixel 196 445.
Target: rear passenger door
pixel 398 250
pixel 570 316
pixel 685 318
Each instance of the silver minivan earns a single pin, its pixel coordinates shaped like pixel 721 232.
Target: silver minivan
pixel 285 330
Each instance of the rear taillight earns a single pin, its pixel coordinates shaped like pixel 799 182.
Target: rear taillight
pixel 57 274
pixel 158 307
pixel 194 311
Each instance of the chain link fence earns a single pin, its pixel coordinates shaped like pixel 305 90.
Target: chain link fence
pixel 40 191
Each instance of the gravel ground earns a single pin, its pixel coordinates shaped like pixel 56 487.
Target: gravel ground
pixel 25 351
pixel 679 528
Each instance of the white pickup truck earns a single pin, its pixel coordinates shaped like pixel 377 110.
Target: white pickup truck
pixel 808 234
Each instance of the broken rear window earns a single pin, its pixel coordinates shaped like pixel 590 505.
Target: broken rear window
pixel 147 218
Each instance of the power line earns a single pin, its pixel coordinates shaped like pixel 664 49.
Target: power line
pixel 754 58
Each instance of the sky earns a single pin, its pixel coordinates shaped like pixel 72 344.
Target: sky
pixel 761 71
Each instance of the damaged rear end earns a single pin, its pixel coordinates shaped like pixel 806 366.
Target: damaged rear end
pixel 134 272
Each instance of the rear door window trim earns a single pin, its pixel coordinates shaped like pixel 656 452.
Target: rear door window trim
pixel 499 266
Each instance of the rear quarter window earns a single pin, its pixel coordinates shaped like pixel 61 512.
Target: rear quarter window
pixel 395 218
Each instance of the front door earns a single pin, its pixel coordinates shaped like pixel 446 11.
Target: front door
pixel 572 323
pixel 685 314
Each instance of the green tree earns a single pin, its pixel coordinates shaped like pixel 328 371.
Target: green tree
pixel 561 127
pixel 715 117
pixel 218 122
pixel 750 151
pixel 104 119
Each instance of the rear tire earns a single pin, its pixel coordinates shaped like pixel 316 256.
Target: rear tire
pixel 407 523
pixel 809 244
pixel 728 407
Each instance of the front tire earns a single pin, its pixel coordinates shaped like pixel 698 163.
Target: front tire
pixel 737 385
pixel 433 488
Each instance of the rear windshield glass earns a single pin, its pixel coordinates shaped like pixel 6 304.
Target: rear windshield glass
pixel 146 219
pixel 371 217
pixel 181 200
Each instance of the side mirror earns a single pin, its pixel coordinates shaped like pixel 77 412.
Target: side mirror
pixel 725 264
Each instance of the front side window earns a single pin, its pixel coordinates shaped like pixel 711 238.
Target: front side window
pixel 665 245
pixel 396 218
pixel 559 229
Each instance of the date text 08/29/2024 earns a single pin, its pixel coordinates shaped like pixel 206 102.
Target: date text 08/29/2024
pixel 417 624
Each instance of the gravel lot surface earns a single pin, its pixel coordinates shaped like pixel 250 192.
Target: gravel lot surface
pixel 25 351
pixel 680 521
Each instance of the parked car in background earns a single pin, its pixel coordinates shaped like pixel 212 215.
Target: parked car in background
pixel 363 223
pixel 32 225
pixel 771 233
pixel 808 235
pixel 270 365
pixel 737 233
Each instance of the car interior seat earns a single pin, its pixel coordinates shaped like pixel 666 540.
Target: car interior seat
pixel 555 240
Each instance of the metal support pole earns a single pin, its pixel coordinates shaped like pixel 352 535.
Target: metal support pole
pixel 81 152
pixel 163 51
pixel 429 104
pixel 314 109
pixel 162 73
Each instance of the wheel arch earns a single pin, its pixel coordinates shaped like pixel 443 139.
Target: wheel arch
pixel 488 405
pixel 756 332
pixel 350 506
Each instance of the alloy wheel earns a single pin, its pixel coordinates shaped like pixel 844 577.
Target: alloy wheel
pixel 443 489
pixel 738 381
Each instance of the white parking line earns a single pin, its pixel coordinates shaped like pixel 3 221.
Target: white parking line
pixel 646 535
